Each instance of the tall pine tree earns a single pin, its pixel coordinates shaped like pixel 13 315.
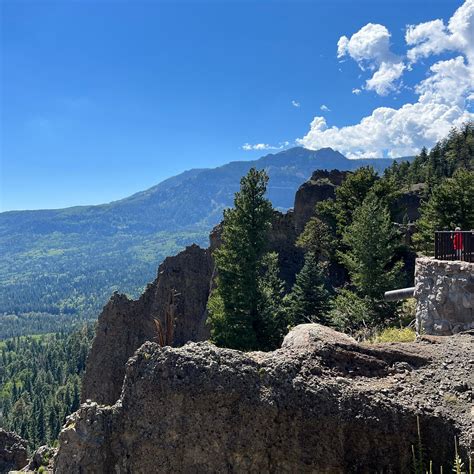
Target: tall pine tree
pixel 371 241
pixel 309 298
pixel 450 205
pixel 234 304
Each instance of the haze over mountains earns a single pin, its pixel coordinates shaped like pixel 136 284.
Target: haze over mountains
pixel 69 261
pixel 194 197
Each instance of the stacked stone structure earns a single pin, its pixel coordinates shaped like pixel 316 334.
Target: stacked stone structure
pixel 444 291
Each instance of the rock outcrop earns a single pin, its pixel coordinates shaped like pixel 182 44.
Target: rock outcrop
pixel 319 187
pixel 42 458
pixel 13 454
pixel 180 290
pixel 322 403
pixel 282 239
pixel 182 287
pixel 406 207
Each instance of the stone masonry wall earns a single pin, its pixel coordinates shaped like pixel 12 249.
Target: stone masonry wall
pixel 444 291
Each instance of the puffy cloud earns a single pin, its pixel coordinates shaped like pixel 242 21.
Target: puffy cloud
pixel 264 146
pixel 384 80
pixel 325 108
pixel 356 91
pixel 443 96
pixel 295 103
pixel 387 131
pixel 451 83
pixel 370 48
pixel 434 37
pixel 426 38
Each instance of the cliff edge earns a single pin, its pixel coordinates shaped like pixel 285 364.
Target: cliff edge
pixel 322 403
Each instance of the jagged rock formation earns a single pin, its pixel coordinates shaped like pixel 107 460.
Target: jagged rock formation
pixel 322 403
pixel 42 459
pixel 319 187
pixel 124 325
pixel 407 205
pixel 182 286
pixel 282 239
pixel 13 454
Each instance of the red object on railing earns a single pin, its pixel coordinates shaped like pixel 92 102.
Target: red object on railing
pixel 454 245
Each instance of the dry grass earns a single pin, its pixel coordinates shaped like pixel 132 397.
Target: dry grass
pixel 395 335
pixel 165 331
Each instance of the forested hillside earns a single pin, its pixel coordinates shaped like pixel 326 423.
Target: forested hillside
pixel 61 266
pixel 40 382
pixel 55 280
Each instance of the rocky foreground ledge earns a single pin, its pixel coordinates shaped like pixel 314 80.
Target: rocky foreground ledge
pixel 322 403
pixel 13 451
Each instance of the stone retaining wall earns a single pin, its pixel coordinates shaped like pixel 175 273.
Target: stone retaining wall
pixel 444 291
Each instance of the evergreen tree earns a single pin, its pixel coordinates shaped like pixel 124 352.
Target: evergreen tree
pixel 352 313
pixel 271 324
pixel 349 196
pixel 451 205
pixel 233 305
pixel 315 238
pixel 371 241
pixel 39 424
pixel 309 298
pixel 33 394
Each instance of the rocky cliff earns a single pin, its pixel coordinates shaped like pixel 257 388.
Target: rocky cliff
pixel 181 287
pixel 321 186
pixel 181 290
pixel 13 454
pixel 322 403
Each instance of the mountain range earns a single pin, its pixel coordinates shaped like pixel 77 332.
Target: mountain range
pixel 68 261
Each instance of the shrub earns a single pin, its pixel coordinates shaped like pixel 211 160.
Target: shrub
pixel 406 312
pixel 351 313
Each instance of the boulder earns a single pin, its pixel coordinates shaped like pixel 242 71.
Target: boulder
pixel 322 403
pixel 13 453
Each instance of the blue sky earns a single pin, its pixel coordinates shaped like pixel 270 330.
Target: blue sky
pixel 100 99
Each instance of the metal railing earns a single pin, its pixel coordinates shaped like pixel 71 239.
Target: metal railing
pixel 454 245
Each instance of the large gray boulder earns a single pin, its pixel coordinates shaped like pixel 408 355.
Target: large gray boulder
pixel 322 403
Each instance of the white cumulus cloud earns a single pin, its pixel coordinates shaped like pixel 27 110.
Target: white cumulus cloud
pixel 434 37
pixel 384 80
pixel 295 103
pixel 442 97
pixel 325 108
pixel 370 48
pixel 264 146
